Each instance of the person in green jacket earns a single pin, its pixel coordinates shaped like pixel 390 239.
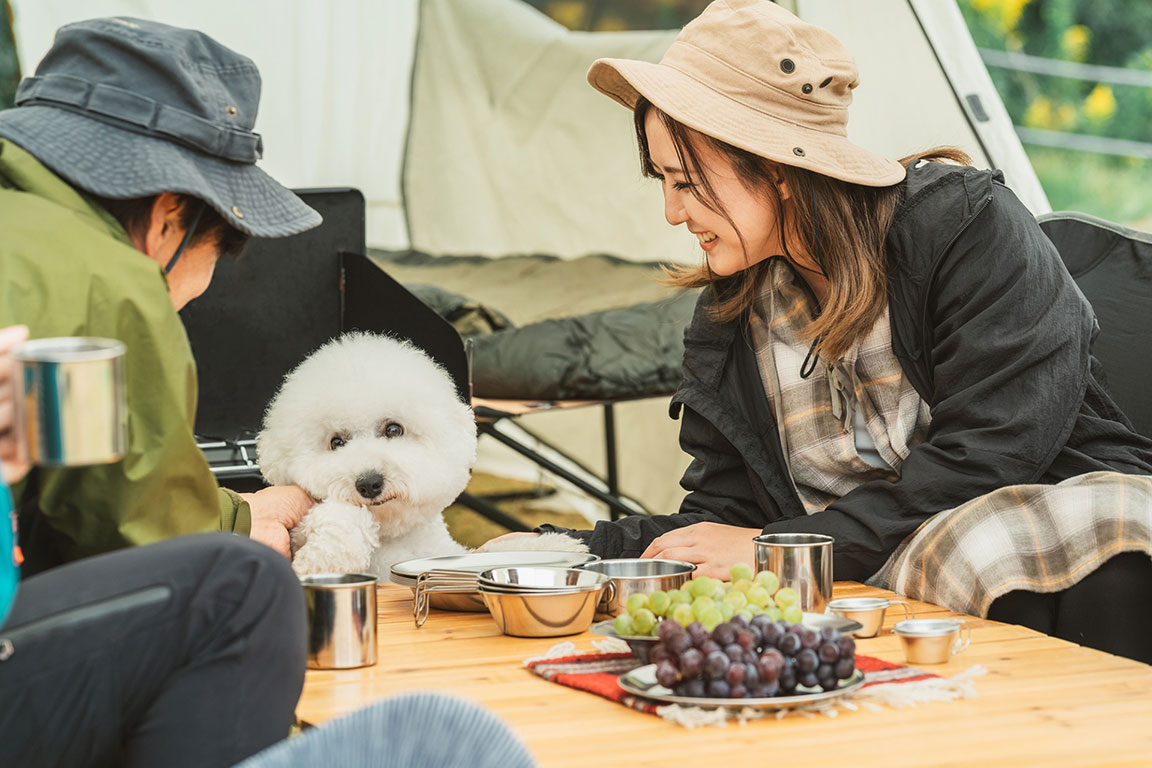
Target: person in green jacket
pixel 120 186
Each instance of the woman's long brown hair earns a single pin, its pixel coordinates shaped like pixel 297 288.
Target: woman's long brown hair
pixel 843 225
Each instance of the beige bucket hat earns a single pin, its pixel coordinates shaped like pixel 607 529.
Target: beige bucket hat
pixel 749 73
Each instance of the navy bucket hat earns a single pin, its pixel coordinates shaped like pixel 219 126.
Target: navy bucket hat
pixel 125 108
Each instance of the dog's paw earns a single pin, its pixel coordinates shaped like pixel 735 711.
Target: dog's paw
pixel 306 561
pixel 544 542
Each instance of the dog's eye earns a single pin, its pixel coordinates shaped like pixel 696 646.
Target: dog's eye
pixel 336 442
pixel 393 430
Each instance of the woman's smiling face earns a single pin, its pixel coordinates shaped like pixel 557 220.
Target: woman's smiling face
pixel 753 215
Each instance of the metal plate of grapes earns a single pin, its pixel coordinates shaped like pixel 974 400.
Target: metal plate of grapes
pixel 642 682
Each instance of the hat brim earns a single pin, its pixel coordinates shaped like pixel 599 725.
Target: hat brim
pixel 108 161
pixel 704 109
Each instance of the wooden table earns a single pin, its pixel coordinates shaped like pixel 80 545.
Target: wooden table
pixel 1044 702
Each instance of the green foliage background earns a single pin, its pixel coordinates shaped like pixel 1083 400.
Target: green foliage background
pixel 1115 33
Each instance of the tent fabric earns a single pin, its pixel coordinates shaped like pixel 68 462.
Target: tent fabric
pixel 511 151
pixel 470 121
pixel 1112 265
pixel 529 289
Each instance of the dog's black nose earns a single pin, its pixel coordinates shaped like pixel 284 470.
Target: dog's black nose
pixel 370 485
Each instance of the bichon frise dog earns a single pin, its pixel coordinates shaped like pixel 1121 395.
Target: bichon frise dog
pixel 374 430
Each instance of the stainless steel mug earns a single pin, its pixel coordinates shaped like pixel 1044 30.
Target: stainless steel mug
pixel 932 641
pixel 341 620
pixel 71 402
pixel 802 561
pixel 868 611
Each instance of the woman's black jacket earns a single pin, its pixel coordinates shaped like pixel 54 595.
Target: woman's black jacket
pixel 991 331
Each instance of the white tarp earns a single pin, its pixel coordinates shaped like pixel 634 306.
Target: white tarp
pixel 508 149
pixel 511 151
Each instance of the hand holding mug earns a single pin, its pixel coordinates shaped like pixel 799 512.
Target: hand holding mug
pixel 14 469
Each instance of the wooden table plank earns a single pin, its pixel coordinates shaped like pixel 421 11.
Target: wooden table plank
pixel 1043 702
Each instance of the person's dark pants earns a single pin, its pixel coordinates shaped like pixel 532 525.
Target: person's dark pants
pixel 189 652
pixel 1108 609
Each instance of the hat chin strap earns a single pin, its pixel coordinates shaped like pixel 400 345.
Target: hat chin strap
pixel 187 237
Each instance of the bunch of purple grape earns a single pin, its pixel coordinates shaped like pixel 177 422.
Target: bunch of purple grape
pixel 750 659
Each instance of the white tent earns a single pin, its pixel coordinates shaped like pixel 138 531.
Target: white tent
pixel 470 128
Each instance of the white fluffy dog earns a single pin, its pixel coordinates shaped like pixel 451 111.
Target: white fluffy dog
pixel 372 428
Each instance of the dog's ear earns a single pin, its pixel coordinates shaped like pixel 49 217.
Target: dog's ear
pixel 272 460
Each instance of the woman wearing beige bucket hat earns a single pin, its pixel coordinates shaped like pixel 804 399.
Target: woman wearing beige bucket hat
pixel 890 353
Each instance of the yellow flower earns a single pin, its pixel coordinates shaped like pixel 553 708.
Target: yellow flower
pixel 1075 42
pixel 1100 104
pixel 1065 116
pixel 1010 11
pixel 1039 114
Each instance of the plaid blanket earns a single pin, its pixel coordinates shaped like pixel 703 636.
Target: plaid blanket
pixel 1041 538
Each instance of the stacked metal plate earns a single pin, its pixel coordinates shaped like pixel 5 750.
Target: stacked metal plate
pixel 449 582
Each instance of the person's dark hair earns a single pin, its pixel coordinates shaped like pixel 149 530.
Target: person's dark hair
pixel 133 213
pixel 852 221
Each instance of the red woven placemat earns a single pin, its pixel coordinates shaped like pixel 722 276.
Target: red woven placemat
pixel 598 673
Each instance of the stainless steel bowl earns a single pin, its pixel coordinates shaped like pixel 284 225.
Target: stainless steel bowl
pixel 632 575
pixel 406 573
pixel 525 579
pixel 542 614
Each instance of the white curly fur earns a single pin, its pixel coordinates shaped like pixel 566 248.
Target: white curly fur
pixel 355 389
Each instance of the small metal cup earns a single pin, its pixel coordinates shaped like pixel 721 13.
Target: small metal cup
pixel 341 620
pixel 70 400
pixel 932 641
pixel 802 561
pixel 868 611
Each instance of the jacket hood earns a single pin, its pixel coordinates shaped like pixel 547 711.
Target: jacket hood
pixel 20 170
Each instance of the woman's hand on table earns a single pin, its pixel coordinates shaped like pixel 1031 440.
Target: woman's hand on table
pixel 713 547
pixel 14 469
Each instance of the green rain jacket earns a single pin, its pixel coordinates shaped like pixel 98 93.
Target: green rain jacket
pixel 67 268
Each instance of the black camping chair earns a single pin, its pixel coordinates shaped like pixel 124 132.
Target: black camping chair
pixel 1113 267
pixel 284 298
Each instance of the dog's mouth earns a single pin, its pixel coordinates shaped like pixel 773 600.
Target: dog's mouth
pixel 382 501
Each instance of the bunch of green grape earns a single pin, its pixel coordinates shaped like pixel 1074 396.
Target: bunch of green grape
pixel 711 602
